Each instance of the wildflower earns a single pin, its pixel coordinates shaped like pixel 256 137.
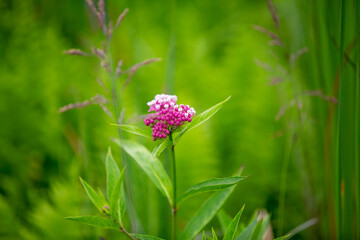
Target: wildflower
pixel 168 115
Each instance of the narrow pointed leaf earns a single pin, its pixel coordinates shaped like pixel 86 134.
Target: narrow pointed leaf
pixel 247 232
pixel 201 118
pixel 257 230
pixel 205 214
pixel 94 197
pixel 209 185
pixel 203 236
pixel 112 173
pixel 95 221
pixel 158 149
pixel 133 129
pixel 122 203
pixel 214 234
pixel 146 237
pixel 287 236
pixel 151 166
pixel 224 219
pixel 232 228
pixel 264 226
pixel 115 200
pixel 102 197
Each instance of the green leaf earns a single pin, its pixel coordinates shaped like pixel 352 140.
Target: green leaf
pixel 287 236
pixel 94 197
pixel 247 232
pixel 101 195
pixel 203 236
pixel 133 129
pixel 112 173
pixel 209 185
pixel 115 198
pixel 264 226
pixel 95 221
pixel 257 230
pixel 224 220
pixel 151 166
pixel 232 228
pixel 122 203
pixel 158 149
pixel 201 118
pixel 214 234
pixel 205 214
pixel 146 237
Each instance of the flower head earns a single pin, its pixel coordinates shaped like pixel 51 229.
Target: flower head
pixel 168 115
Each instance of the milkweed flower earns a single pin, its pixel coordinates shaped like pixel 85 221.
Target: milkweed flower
pixel 168 115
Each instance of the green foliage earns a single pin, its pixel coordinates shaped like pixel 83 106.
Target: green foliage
pixel 151 166
pixel 283 237
pixel 117 200
pixel 209 185
pixel 112 173
pixel 264 226
pixel 247 233
pixel 214 237
pixel 224 219
pixel 134 129
pixel 205 213
pixel 97 200
pixel 203 236
pixel 230 232
pixel 95 221
pixel 146 237
pixel 160 147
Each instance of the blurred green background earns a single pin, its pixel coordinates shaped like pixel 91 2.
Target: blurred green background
pixel 300 148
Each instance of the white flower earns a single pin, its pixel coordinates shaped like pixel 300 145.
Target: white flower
pixel 166 105
pixel 157 107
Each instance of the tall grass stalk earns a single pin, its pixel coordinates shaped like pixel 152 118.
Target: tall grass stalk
pixel 357 120
pixel 338 162
pixel 116 95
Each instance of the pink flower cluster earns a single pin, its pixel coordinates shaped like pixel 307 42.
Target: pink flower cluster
pixel 168 117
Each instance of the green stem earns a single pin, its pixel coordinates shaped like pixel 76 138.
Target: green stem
pixel 127 233
pixel 121 228
pixel 174 209
pixel 115 99
pixel 338 197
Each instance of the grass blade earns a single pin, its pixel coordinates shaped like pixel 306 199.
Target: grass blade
pixel 248 231
pixel 232 228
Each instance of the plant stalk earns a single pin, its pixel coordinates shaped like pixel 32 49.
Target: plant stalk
pixel 174 209
pixel 115 99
